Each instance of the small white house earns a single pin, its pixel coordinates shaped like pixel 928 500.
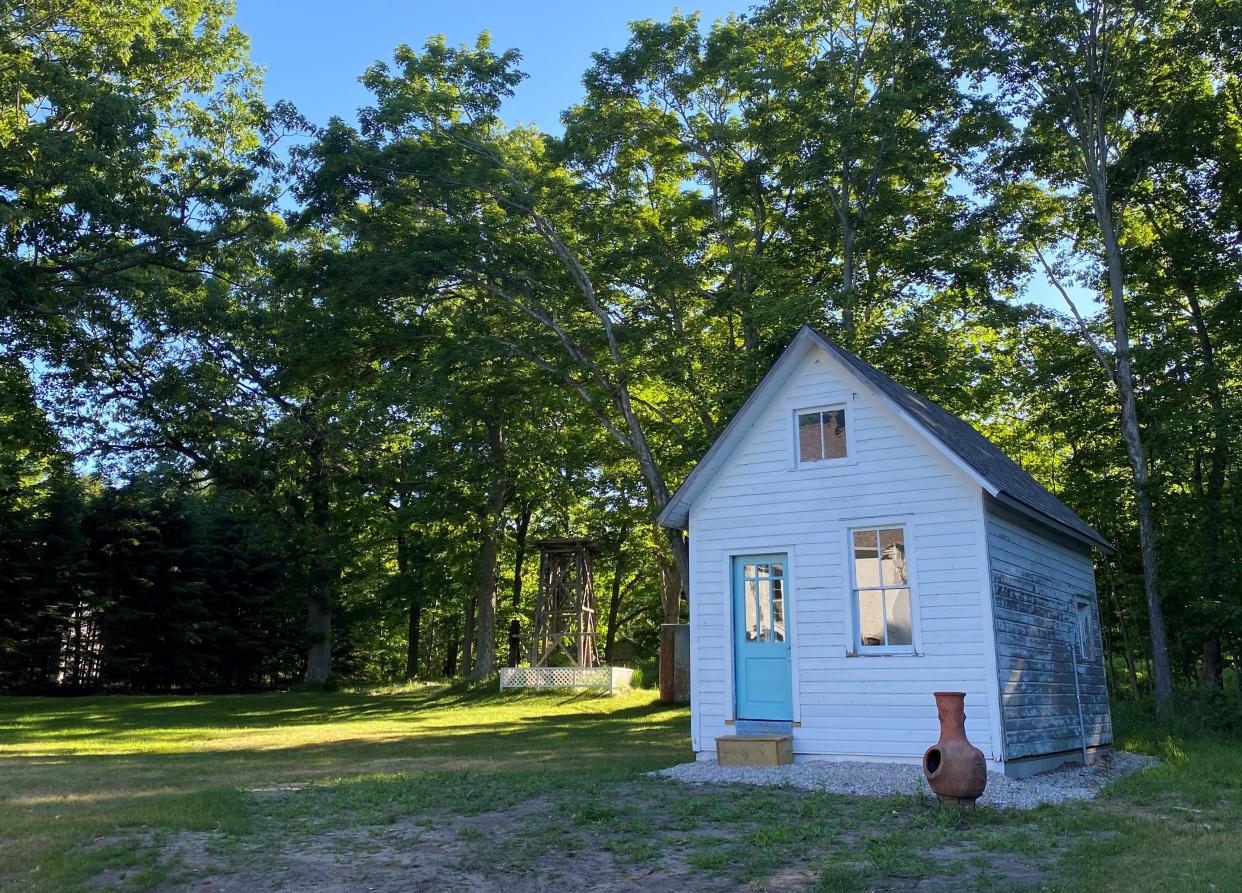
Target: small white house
pixel 854 548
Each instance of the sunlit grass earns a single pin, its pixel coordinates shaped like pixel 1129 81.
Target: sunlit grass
pixel 82 779
pixel 74 770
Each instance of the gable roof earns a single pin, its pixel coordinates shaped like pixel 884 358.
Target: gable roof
pixel 957 440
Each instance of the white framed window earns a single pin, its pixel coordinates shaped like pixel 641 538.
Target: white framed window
pixel 881 592
pixel 1085 633
pixel 820 434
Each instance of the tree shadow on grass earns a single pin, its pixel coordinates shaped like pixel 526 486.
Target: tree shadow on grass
pixel 40 719
pixel 632 738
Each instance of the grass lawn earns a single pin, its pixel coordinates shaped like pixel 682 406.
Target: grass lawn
pixel 442 788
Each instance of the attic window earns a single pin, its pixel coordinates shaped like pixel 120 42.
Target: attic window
pixel 821 435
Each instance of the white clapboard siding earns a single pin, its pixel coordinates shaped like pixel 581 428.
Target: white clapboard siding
pixel 875 707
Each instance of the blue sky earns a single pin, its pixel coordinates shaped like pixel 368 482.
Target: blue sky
pixel 315 50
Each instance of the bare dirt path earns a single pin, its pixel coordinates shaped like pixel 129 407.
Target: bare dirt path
pixel 677 838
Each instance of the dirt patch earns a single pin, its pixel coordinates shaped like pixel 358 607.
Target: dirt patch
pixel 624 839
pixel 408 856
pixel 975 869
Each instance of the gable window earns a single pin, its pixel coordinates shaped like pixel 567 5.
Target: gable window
pixel 881 590
pixel 821 435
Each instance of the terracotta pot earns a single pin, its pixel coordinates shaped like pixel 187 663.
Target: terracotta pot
pixel 955 768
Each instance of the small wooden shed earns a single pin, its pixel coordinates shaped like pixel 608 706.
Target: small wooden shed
pixel 855 547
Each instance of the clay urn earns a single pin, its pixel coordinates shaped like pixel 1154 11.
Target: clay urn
pixel 955 768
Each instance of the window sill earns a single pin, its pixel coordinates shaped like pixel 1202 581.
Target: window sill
pixel 824 463
pixel 883 652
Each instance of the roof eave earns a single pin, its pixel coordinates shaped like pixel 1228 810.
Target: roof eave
pixel 674 515
pixel 1093 540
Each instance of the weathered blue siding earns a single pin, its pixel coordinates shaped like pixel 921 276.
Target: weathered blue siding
pixel 1038 579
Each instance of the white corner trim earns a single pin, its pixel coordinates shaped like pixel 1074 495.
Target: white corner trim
pixel 991 661
pixel 694 611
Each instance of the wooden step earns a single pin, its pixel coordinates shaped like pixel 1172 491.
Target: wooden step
pixel 754 750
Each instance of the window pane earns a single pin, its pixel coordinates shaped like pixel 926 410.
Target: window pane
pixel 834 434
pixel 778 611
pixel 777 570
pixel 866 563
pixel 765 611
pixel 871 617
pixel 810 448
pixel 893 556
pixel 752 612
pixel 897 601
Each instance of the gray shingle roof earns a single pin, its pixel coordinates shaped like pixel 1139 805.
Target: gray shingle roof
pixel 969 445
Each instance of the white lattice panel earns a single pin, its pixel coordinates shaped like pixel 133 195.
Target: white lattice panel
pixel 602 678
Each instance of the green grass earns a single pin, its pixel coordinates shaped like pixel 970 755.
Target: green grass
pixel 102 792
pixel 76 770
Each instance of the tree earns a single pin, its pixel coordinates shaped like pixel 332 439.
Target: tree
pixel 488 215
pixel 129 143
pixel 40 549
pixel 1072 76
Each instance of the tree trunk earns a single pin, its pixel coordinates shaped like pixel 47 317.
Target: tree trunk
pixel 515 642
pixel 679 546
pixel 320 582
pixel 412 642
pixel 450 649
pixel 519 552
pixel 319 633
pixel 614 606
pixel 1217 573
pixel 1097 182
pixel 484 657
pixel 492 531
pixel 1213 672
pixel 467 639
pixel 671 567
pixel 77 648
pixel 849 321
pixel 415 606
pixel 1237 680
pixel 1161 678
pixel 1131 670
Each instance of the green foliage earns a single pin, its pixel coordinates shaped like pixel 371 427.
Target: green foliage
pixel 129 146
pixel 1204 712
pixel 144 588
pixel 343 430
pixel 646 673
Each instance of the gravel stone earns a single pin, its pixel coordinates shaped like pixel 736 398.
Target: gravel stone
pixel 887 779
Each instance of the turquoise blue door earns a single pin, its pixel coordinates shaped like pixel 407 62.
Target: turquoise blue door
pixel 763 681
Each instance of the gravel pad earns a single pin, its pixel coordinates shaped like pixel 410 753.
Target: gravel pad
pixel 886 779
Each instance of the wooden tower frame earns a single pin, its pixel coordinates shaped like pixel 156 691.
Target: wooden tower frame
pixel 565 606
